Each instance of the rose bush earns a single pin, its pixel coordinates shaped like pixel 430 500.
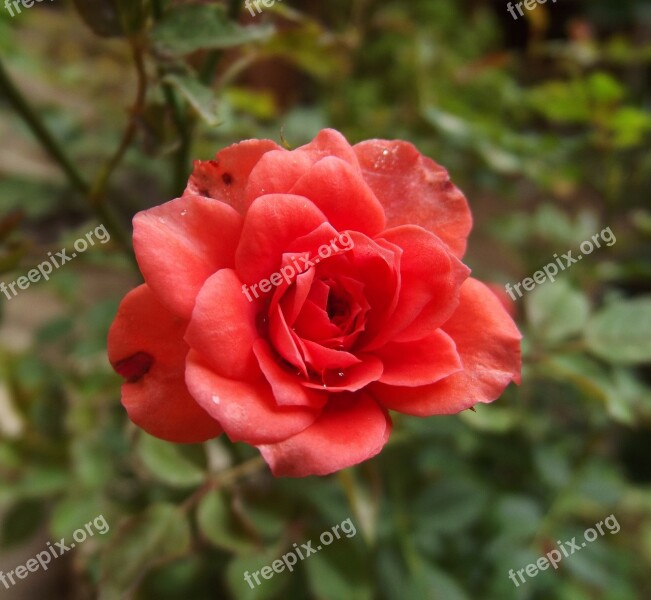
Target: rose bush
pixel 308 372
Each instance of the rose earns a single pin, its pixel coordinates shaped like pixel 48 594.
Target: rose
pixel 308 372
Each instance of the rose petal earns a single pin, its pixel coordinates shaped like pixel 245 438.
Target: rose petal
pixel 145 343
pixel 488 343
pixel 351 429
pixel 414 189
pixel 343 196
pixel 246 410
pixel 223 327
pixel 350 378
pixel 430 281
pixel 225 178
pixel 287 388
pixel 181 243
pixel 419 362
pixel 271 224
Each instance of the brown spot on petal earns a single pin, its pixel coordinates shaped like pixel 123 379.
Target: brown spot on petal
pixel 135 367
pixel 227 178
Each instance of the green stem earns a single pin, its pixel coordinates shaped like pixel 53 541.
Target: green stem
pixel 99 185
pixel 58 154
pixel 38 128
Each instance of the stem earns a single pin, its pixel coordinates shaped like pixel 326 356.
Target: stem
pixel 222 480
pixel 99 185
pixel 40 131
pixel 58 154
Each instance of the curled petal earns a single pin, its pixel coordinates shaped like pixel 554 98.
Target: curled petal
pixel 223 327
pixel 145 345
pixel 488 343
pixel 414 189
pixel 247 411
pixel 343 196
pixel 271 224
pixel 181 243
pixel 351 429
pixel 419 362
pixel 226 177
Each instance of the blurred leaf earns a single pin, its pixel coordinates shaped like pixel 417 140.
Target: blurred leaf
pixel 489 418
pixel 218 523
pixel 449 506
pixel 186 29
pixel 335 573
pixel 621 332
pixel 166 463
pixel 73 512
pixel 556 311
pixel 268 588
pixel 21 522
pixel 200 97
pixel 160 534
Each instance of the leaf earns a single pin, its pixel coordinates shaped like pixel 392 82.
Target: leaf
pixel 340 572
pixel 254 563
pixel 186 29
pixel 21 522
pixel 556 310
pixel 159 535
pixel 165 462
pixel 621 332
pixel 217 522
pixel 200 97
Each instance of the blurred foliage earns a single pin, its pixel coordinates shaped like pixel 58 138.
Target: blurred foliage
pixel 544 121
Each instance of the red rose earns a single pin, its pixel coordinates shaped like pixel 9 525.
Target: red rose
pixel 293 298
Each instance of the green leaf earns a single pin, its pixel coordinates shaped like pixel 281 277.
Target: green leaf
pixel 73 512
pixel 340 572
pixel 186 29
pixel 165 462
pixel 621 332
pixel 201 98
pixel 557 311
pixel 21 522
pixel 159 535
pixel 249 564
pixel 217 522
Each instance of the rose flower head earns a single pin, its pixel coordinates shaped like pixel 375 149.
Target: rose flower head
pixel 293 298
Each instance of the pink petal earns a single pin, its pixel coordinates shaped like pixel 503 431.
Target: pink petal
pixel 246 410
pixel 181 243
pixel 488 343
pixel 286 387
pixel 430 281
pixel 339 191
pixel 223 327
pixel 414 189
pixel 145 344
pixel 225 178
pixel 419 362
pixel 351 429
pixel 271 224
